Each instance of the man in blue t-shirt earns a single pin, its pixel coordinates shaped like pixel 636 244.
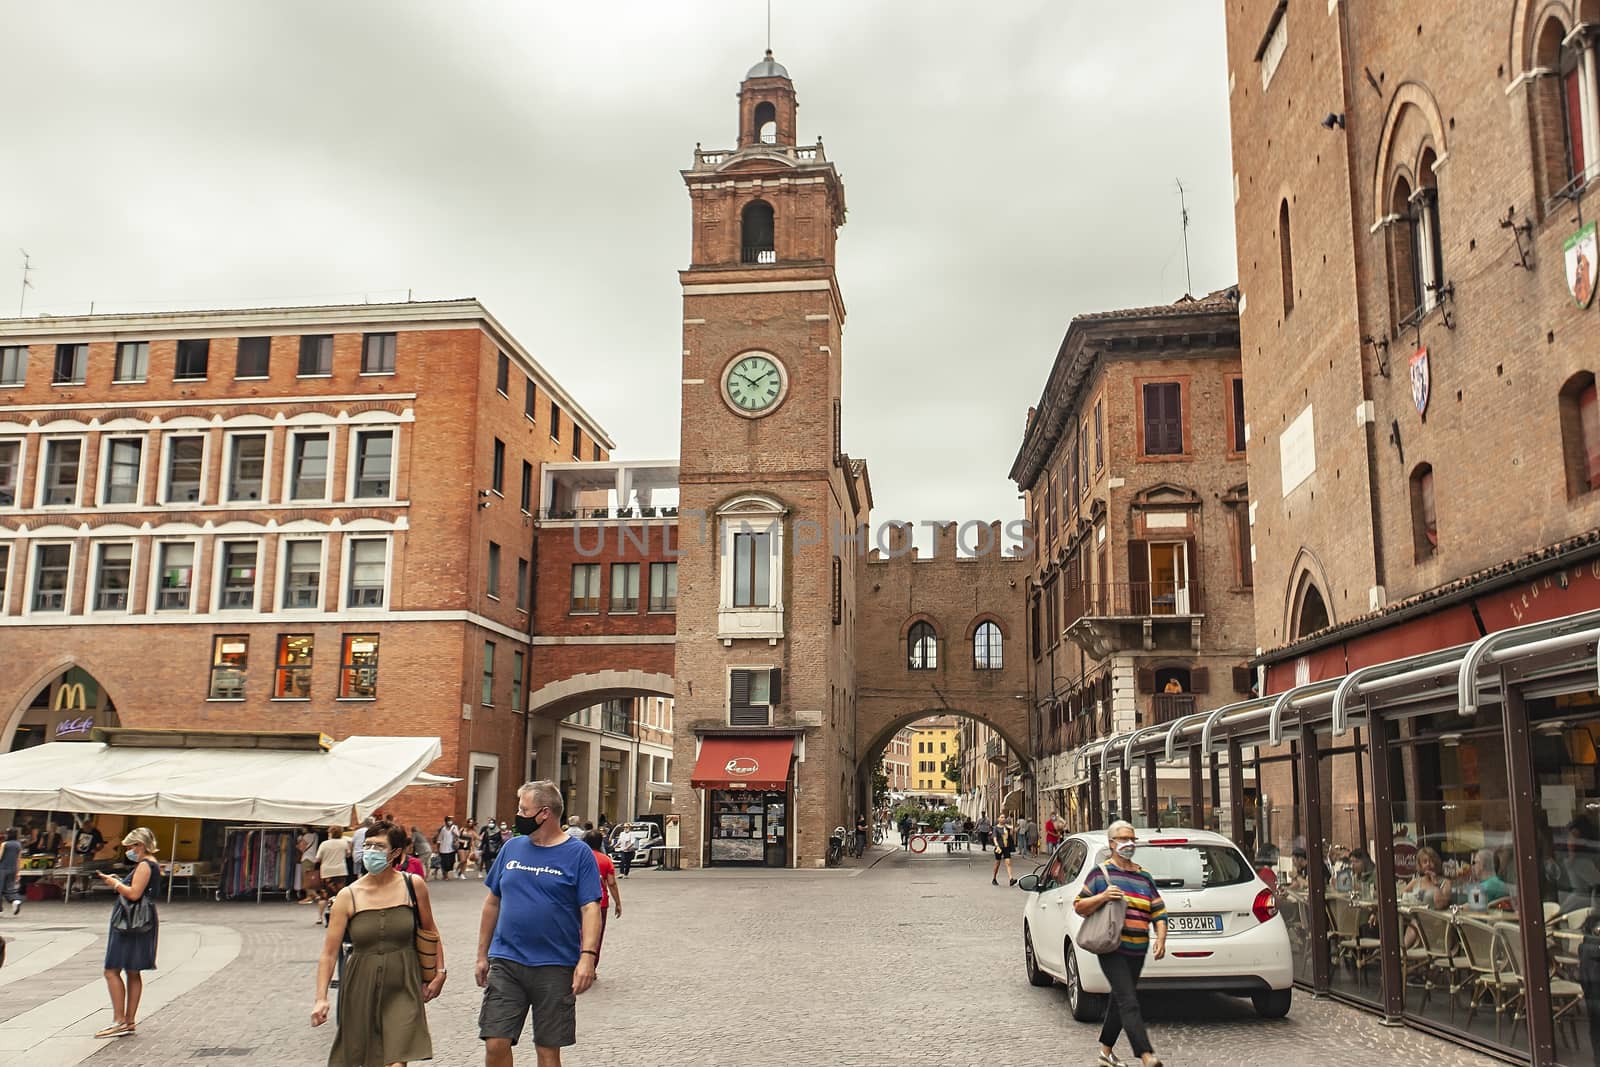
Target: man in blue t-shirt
pixel 539 951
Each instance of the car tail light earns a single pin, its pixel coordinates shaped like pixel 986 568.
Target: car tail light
pixel 1168 841
pixel 1265 907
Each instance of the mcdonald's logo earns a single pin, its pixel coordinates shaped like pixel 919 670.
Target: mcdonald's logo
pixel 71 698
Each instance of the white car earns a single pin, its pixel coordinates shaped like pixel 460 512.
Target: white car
pixel 1223 930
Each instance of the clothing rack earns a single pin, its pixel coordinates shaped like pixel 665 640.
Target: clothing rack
pixel 258 857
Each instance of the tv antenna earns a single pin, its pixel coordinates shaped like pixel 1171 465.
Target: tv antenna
pixel 1183 202
pixel 27 269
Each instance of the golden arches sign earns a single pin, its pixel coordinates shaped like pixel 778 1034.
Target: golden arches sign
pixel 70 697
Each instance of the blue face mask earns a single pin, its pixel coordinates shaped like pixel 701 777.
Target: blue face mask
pixel 133 857
pixel 374 861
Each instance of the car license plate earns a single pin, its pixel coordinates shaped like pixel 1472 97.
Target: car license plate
pixel 1195 924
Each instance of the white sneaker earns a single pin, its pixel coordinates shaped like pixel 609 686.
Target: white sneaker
pixel 16 906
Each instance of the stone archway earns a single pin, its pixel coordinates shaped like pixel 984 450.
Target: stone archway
pixel 871 750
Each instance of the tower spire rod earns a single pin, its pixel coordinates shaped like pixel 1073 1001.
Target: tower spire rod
pixel 1188 280
pixel 769 25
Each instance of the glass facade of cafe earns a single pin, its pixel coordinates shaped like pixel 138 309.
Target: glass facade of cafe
pixel 1433 827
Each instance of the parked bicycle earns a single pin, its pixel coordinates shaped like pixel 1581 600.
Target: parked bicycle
pixel 836 846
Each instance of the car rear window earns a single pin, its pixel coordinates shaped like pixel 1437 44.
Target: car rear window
pixel 1193 866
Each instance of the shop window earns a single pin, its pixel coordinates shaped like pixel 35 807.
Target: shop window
pixel 752 696
pixel 522 585
pixel 922 647
pixel 292 678
pixel 486 698
pixel 1424 521
pixel 519 662
pixel 316 356
pixel 1285 258
pixel 254 358
pixel 374 465
pixel 529 398
pixel 186 456
pixel 72 365
pixel 174 576
pixel 1580 434
pixel 113 576
pixel 1163 418
pixel 13 364
pixel 368 566
pixel 302 574
pixel 239 560
pixel 585 589
pixel 377 353
pixel 62 472
pixel 10 471
pixel 247 466
pixel 663 587
pixel 987 647
pixel 527 487
pixel 230 660
pixel 308 466
pixel 624 587
pixel 133 362
pixel 358 667
pixel 124 464
pixel 193 359
pixel 52 569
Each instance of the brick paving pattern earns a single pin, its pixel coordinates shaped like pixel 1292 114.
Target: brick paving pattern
pixel 913 960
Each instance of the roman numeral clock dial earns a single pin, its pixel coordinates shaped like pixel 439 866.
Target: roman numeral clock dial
pixel 754 384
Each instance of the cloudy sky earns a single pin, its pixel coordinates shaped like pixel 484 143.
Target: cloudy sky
pixel 1007 165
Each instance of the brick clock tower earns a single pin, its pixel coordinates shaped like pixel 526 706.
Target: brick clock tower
pixel 765 698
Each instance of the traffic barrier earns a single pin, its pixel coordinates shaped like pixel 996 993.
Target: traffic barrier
pixel 919 842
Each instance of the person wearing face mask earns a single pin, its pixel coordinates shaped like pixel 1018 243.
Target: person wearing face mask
pixel 539 936
pixel 129 953
pixel 381 993
pixel 1123 879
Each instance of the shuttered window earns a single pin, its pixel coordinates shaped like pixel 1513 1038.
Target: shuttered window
pixel 752 696
pixel 1163 419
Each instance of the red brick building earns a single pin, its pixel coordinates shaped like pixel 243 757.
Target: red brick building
pixel 279 519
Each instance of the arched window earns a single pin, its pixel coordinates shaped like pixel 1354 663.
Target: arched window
pixel 922 648
pixel 1313 613
pixel 1285 257
pixel 756 232
pixel 987 647
pixel 1424 522
pixel 1580 434
pixel 1405 287
pixel 1426 250
pixel 766 123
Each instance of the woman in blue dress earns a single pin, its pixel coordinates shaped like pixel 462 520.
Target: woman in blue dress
pixel 129 954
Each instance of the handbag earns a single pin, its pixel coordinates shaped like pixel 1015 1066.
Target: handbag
pixel 426 941
pixel 1101 931
pixel 134 916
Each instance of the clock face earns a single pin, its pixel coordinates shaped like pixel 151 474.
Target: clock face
pixel 754 384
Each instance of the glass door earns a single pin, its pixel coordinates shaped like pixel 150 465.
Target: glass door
pixel 776 830
pixel 1169 583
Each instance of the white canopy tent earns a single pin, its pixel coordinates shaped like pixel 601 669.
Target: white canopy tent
pixel 340 786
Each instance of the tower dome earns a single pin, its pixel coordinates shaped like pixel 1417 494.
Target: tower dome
pixel 767 68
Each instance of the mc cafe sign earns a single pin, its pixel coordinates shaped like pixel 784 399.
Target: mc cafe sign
pixel 71 719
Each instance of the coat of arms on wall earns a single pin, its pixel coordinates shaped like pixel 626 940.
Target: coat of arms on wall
pixel 1580 254
pixel 1420 381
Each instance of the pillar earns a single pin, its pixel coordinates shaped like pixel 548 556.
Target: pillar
pixel 544 752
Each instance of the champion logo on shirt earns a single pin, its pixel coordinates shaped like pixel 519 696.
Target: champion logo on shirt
pixel 513 865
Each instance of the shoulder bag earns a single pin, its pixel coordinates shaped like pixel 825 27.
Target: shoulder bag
pixel 426 941
pixel 1101 931
pixel 134 916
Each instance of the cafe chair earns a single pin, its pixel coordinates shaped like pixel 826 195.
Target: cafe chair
pixel 1493 979
pixel 1344 930
pixel 1446 958
pixel 1565 995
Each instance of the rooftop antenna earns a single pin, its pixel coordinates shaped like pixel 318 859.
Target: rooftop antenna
pixel 769 25
pixel 1188 280
pixel 27 269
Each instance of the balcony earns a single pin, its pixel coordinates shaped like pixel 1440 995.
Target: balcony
pixel 608 491
pixel 758 254
pixel 1108 617
pixel 712 158
pixel 1166 707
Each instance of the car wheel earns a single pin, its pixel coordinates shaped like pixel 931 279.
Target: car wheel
pixel 1086 1007
pixel 1036 977
pixel 1273 1004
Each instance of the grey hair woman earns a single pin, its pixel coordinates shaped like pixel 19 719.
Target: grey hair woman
pixel 1123 879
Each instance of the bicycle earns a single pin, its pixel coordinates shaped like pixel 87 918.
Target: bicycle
pixel 836 846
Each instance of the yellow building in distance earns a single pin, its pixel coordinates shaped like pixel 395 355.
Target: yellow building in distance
pixel 933 741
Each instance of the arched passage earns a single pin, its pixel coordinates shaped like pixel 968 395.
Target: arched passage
pixel 1013 747
pixel 64 702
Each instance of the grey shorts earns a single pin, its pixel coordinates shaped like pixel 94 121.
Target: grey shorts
pixel 515 989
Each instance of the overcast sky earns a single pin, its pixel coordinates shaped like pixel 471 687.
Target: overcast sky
pixel 1007 166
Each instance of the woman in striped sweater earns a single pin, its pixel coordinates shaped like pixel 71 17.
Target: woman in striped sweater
pixel 1123 879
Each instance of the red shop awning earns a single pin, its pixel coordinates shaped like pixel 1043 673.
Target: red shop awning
pixel 743 763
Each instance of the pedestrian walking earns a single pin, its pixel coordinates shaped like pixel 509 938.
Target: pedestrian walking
pixel 948 829
pixel 610 892
pixel 11 870
pixel 623 848
pixel 410 863
pixel 540 932
pixel 1022 834
pixel 1122 879
pixel 493 837
pixel 983 830
pixel 333 858
pixel 1033 837
pixel 1052 832
pixel 861 834
pixel 445 841
pixel 905 830
pixel 421 849
pixel 1005 843
pixel 358 844
pixel 131 943
pixel 310 874
pixel 381 992
pixel 466 851
pixel 575 828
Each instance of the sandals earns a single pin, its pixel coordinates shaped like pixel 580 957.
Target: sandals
pixel 115 1030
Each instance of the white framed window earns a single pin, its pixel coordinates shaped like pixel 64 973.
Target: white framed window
pixel 306 469
pixel 133 362
pixel 183 468
pixel 377 353
pixel 238 578
pixel 371 475
pixel 316 356
pixel 300 565
pixel 750 548
pixel 366 568
pixel 61 480
pixel 112 579
pixel 174 587
pixel 122 470
pixel 12 452
pixel 13 365
pixel 50 577
pixel 249 464
pixel 72 365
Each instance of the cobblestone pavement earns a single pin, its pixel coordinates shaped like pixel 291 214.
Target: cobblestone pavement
pixel 911 960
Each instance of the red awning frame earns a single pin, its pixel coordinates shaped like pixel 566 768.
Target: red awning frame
pixel 754 763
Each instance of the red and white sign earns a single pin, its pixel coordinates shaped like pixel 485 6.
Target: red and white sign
pixel 742 766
